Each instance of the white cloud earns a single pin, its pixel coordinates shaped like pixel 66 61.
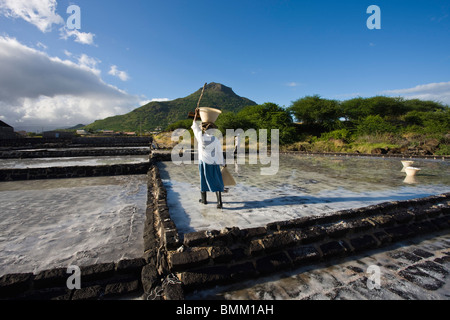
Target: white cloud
pixel 80 37
pixel 89 63
pixel 431 91
pixel 36 89
pixel 292 84
pixel 41 45
pixel 144 102
pixel 160 99
pixel 41 13
pixel 122 75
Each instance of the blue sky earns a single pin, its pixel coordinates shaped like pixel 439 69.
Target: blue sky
pixel 130 52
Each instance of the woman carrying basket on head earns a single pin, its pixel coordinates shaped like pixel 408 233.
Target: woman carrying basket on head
pixel 210 156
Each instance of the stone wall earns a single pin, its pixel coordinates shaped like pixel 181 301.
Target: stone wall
pixel 216 257
pixel 27 154
pixel 208 258
pixel 73 172
pixel 106 281
pixel 174 264
pixel 76 142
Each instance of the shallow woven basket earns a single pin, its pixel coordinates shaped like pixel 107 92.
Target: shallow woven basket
pixel 209 114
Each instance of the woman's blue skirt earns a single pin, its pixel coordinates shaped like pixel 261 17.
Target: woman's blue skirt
pixel 210 177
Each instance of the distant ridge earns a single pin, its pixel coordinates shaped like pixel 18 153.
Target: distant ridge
pixel 162 113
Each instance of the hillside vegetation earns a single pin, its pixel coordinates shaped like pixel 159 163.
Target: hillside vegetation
pixel 382 125
pixel 363 125
pixel 161 114
pixel 372 125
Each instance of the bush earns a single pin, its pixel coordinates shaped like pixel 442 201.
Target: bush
pixel 181 124
pixel 374 124
pixel 341 134
pixel 444 150
pixel 315 110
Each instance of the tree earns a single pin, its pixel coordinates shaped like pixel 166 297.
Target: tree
pixel 386 107
pixel 266 116
pixel 355 109
pixel 374 124
pixel 315 110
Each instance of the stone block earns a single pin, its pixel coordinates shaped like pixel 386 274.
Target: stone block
pixel 204 277
pixel 13 284
pixel 311 234
pixel 163 212
pixel 173 291
pixel 121 288
pixel 303 254
pixel 433 212
pixel 227 236
pixel 130 266
pixel 188 259
pixel 418 215
pixel 255 248
pixel 272 263
pixel 149 277
pixel 279 241
pixel 239 253
pixel 171 239
pixel 220 254
pixel 361 225
pixel 363 242
pixel 51 278
pixel 384 220
pixel 97 272
pixel 403 216
pixel 88 293
pixel 150 240
pixel 248 234
pixel 446 209
pixel 193 239
pixel 242 271
pixel 399 232
pixel 332 249
pixel 337 230
pixel 422 227
pixel 58 293
pixel 382 237
pixel 292 224
pixel 441 222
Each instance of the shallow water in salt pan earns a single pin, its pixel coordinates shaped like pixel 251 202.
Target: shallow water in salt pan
pixel 70 161
pixel 304 185
pixel 56 223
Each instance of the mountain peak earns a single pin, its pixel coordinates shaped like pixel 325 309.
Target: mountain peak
pixel 213 86
pixel 161 114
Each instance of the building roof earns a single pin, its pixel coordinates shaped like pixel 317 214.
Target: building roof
pixel 2 124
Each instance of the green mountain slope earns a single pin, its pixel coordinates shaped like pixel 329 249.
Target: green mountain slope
pixel 161 114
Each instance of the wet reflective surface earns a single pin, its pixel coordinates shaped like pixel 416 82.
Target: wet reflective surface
pixel 304 185
pixel 56 223
pixel 70 162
